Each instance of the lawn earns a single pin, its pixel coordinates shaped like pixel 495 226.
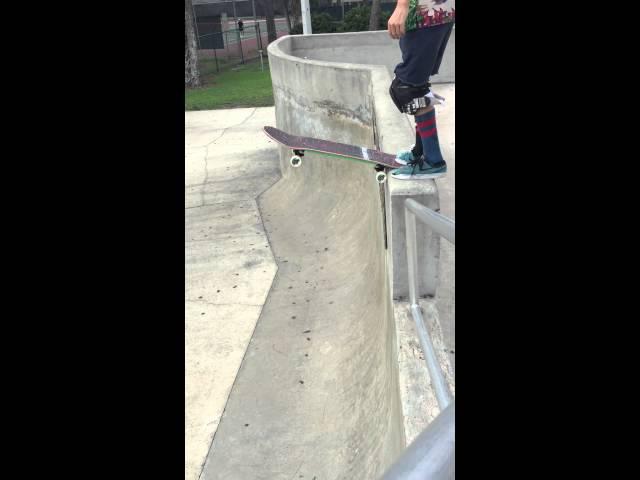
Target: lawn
pixel 234 86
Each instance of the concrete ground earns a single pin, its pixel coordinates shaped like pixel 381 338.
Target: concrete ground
pixel 272 312
pixel 229 266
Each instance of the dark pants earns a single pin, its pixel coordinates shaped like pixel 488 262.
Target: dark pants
pixel 422 52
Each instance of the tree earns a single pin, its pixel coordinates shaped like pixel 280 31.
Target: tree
pixel 374 20
pixel 267 8
pixel 322 23
pixel 358 20
pixel 285 6
pixel 295 9
pixel 191 74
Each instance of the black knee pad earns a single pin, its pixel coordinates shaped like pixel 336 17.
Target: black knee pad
pixel 402 94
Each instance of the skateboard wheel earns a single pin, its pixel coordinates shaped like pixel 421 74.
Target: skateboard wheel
pixel 381 177
pixel 295 161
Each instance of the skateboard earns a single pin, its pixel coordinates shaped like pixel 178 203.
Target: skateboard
pixel 381 161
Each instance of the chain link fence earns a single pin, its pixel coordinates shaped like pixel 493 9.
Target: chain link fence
pixel 235 46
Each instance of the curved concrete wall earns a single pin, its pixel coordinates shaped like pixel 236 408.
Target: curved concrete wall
pixel 349 102
pixel 336 204
pixel 352 408
pixel 323 357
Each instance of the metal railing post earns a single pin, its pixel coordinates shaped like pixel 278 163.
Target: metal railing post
pixel 412 254
pixel 431 456
pixel 445 227
pixel 437 222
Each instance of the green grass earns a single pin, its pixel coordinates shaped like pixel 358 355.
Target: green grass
pixel 235 86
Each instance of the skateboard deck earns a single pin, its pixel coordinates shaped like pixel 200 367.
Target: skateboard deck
pixel 299 145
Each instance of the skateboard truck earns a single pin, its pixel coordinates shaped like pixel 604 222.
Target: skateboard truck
pixel 296 159
pixel 381 174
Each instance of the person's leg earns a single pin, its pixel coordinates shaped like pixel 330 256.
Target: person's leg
pixel 402 95
pixel 426 125
pixel 417 146
pixel 422 53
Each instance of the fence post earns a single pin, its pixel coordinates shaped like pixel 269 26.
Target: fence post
pixel 258 35
pixel 240 46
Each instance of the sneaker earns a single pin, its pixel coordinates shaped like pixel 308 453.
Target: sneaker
pixel 406 157
pixel 420 170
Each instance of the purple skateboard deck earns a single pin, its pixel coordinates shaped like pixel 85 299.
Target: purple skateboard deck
pixel 300 144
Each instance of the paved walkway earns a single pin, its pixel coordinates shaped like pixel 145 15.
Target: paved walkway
pixel 229 266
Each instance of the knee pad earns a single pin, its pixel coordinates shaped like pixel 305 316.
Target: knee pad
pixel 407 98
pixel 410 99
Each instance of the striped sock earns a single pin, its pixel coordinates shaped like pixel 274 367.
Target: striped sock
pixel 426 127
pixel 417 147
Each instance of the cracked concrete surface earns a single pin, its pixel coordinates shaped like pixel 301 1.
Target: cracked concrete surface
pixel 229 267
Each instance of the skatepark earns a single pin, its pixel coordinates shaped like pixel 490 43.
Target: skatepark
pixel 302 356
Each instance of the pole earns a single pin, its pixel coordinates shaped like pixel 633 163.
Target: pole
pixel 255 25
pixel 240 45
pixel 306 17
pixel 259 35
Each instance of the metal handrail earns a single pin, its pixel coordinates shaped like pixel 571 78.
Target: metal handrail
pixel 431 456
pixel 446 228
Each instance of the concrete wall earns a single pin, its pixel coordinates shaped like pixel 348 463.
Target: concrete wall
pixel 349 102
pixel 365 48
pixel 343 199
pixel 354 286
